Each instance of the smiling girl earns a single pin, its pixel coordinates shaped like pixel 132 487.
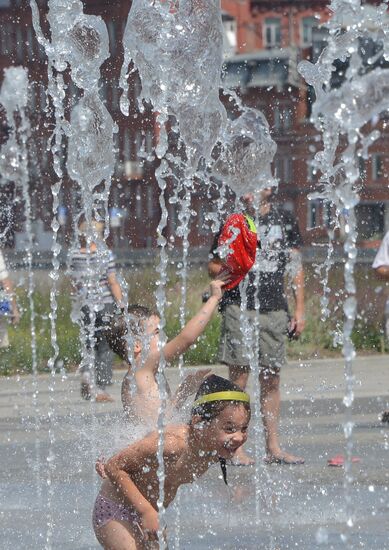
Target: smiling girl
pixel 125 515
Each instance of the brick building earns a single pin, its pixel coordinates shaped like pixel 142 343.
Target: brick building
pixel 134 192
pixel 264 42
pixel 270 39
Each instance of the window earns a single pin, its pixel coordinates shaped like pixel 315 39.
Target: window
pixel 283 168
pixel 203 225
pixel 272 32
pixel 282 118
pixel 236 75
pixel 311 171
pixel 137 87
pixel 126 145
pixel 42 98
pixel 172 218
pixel 44 154
pixel 19 45
pixel 150 201
pixel 112 36
pixel 149 141
pixel 327 213
pixel 378 167
pixel 370 220
pixel 138 144
pixel 115 94
pixel 30 44
pixel 230 40
pixel 116 146
pixel 362 168
pixel 307 26
pixel 288 169
pixel 6 39
pixel 313 214
pixel 139 205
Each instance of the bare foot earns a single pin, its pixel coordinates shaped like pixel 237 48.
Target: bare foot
pixel 242 459
pixel 385 416
pixel 85 391
pixel 280 457
pixel 104 397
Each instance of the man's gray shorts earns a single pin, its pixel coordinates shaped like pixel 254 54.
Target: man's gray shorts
pixel 273 326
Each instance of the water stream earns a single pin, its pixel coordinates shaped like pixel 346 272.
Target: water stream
pixel 338 163
pixel 177 50
pixel 14 166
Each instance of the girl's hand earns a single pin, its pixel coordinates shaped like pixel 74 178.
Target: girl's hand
pixel 150 524
pixel 100 468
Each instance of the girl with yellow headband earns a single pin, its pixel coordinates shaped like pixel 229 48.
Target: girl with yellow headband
pixel 126 512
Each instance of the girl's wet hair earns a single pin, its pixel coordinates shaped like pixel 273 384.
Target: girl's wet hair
pixel 118 328
pixel 215 384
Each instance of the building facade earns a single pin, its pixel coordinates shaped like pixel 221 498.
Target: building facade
pixel 271 39
pixel 264 41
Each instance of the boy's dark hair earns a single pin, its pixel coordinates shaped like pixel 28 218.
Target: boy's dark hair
pixel 214 384
pixel 209 411
pixel 118 328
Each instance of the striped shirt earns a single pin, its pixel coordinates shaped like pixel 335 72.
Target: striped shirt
pixel 89 273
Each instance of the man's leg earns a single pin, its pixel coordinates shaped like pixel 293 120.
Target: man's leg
pixel 272 352
pixel 85 367
pixel 270 408
pixel 103 358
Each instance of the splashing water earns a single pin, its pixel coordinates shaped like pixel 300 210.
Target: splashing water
pixel 80 43
pixel 179 54
pixel 14 167
pixel 246 153
pixel 335 115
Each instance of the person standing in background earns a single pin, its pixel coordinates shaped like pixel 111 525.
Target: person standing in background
pixel 8 305
pixel 278 255
pixel 96 295
pixel 381 267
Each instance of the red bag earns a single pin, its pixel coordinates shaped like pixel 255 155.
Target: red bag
pixel 243 247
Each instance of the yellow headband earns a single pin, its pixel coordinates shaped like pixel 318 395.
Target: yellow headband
pixel 223 396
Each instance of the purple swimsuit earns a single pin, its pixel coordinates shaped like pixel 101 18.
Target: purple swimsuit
pixel 106 510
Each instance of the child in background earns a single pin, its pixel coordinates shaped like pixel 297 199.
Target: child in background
pixel 96 293
pixel 126 512
pixel 142 405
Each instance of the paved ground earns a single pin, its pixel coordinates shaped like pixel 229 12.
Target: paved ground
pixel 48 444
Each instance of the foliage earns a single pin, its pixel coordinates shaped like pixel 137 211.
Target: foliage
pixel 320 338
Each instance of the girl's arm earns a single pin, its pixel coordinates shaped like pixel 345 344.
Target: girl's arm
pixel 119 468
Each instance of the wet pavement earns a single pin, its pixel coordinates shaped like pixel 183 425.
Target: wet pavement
pixel 48 485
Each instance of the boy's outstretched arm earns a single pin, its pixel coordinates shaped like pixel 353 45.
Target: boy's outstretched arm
pixel 196 326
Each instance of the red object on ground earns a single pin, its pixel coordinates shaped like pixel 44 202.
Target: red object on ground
pixel 240 235
pixel 339 460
